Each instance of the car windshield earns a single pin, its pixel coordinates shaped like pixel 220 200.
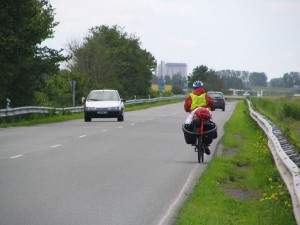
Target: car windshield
pixel 103 96
pixel 216 95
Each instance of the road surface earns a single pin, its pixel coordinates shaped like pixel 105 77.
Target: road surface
pixel 136 172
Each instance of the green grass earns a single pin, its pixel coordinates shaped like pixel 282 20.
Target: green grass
pixel 284 112
pixel 251 170
pixel 34 119
pixel 149 105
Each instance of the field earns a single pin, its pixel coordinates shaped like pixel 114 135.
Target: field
pixel 283 111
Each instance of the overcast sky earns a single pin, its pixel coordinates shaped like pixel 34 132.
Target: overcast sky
pixel 249 35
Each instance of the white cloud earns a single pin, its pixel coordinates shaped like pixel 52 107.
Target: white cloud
pixel 168 7
pixel 286 6
pixel 245 35
pixel 185 44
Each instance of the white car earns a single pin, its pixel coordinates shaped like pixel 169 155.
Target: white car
pixel 104 104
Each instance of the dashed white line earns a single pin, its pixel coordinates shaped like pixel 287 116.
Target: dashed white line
pixel 16 156
pixel 82 136
pixel 132 124
pixel 55 146
pixel 120 127
pixel 104 130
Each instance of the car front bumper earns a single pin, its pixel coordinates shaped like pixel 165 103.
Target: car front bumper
pixel 103 113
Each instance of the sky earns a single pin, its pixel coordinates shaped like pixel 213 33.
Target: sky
pixel 244 35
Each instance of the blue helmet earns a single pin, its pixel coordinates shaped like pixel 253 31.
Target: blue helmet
pixel 197 84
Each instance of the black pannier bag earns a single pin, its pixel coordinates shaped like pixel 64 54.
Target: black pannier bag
pixel 189 139
pixel 208 138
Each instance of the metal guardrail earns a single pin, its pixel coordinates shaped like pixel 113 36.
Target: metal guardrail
pixel 286 159
pixel 47 110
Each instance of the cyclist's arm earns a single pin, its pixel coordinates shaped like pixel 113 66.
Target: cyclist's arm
pixel 187 104
pixel 210 102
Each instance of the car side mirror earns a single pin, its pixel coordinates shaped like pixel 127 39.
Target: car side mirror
pixel 83 100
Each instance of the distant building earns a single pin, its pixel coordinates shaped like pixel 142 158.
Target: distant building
pixel 170 69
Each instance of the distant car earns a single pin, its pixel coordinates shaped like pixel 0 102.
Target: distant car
pixel 103 104
pixel 218 98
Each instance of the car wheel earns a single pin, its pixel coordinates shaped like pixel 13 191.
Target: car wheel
pixel 121 118
pixel 223 109
pixel 87 119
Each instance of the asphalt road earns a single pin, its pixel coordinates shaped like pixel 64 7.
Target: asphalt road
pixel 136 172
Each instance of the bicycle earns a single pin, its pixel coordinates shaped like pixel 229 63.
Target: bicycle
pixel 199 146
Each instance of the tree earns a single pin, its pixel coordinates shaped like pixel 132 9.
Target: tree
pixel 291 79
pixel 114 59
pixel 212 81
pixel 199 73
pixel 177 90
pixel 154 79
pixel 234 82
pixel 258 79
pixel 233 78
pixel 168 80
pixel 25 65
pixel 277 82
pixel 177 79
pixel 58 93
pixel 161 80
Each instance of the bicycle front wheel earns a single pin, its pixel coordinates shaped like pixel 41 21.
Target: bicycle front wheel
pixel 200 149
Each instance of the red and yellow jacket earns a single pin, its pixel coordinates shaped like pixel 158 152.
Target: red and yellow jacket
pixel 198 98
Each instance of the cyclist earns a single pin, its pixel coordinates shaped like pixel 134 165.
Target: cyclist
pixel 197 99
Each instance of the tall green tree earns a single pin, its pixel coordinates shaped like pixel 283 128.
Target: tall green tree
pixel 291 79
pixel 168 80
pixel 199 73
pixel 235 79
pixel 58 92
pixel 277 82
pixel 258 79
pixel 114 59
pixel 25 64
pixel 234 82
pixel 177 79
pixel 210 79
pixel 154 79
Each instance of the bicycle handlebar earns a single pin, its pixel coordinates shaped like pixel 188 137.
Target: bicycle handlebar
pixel 198 134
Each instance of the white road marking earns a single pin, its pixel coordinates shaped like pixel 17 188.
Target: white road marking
pixel 16 156
pixel 55 146
pixel 132 124
pixel 82 136
pixel 120 127
pixel 104 130
pixel 178 198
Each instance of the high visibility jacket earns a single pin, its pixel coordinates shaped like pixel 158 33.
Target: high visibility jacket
pixel 198 100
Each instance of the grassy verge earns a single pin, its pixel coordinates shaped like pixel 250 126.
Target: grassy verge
pixel 242 186
pixel 149 105
pixel 33 119
pixel 284 112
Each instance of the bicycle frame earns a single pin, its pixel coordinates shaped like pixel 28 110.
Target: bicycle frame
pixel 199 144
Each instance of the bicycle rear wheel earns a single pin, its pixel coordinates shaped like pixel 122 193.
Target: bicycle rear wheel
pixel 200 149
